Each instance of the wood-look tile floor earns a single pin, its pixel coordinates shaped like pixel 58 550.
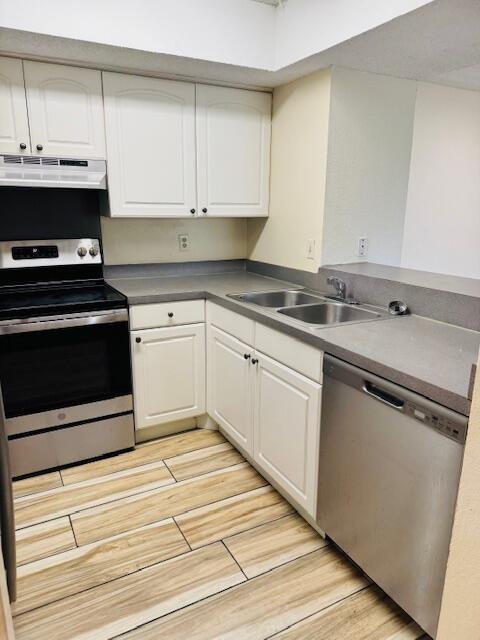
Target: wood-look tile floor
pixel 178 539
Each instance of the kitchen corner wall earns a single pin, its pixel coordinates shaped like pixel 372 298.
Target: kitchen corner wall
pixel 139 240
pixel 442 221
pixel 297 179
pixel 341 142
pixel 369 145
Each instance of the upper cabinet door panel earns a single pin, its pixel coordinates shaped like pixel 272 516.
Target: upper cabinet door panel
pixel 13 108
pixel 65 110
pixel 233 151
pixel 150 128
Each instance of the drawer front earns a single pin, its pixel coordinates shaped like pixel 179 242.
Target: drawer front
pixel 230 322
pixel 49 449
pixel 166 314
pixel 294 353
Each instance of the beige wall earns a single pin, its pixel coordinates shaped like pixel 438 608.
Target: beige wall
pixel 139 240
pixel 460 612
pixel 297 181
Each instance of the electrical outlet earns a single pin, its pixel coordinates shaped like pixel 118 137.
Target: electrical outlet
pixel 363 247
pixel 311 249
pixel 183 242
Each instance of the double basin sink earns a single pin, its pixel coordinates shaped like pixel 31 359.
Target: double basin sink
pixel 307 308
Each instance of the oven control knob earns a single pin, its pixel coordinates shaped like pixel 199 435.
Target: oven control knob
pixel 82 251
pixel 93 251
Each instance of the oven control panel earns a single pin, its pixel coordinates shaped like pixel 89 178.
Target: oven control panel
pixel 48 253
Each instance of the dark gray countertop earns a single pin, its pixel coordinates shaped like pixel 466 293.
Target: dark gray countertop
pixel 429 357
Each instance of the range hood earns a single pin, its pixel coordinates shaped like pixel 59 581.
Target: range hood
pixel 66 173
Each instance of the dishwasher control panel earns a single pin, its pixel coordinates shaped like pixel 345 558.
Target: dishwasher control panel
pixel 449 428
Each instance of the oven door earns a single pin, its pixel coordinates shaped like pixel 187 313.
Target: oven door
pixel 56 371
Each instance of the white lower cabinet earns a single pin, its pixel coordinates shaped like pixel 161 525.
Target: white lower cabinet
pixel 287 429
pixel 270 410
pixel 168 366
pixel 229 385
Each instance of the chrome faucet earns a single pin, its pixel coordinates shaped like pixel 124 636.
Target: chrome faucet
pixel 341 291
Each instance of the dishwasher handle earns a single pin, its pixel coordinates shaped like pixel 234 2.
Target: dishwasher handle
pixel 383 396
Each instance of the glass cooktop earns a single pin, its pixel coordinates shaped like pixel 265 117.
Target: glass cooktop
pixel 48 299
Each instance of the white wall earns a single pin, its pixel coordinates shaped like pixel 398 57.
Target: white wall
pixel 237 32
pixel 297 179
pixel 133 241
pixel 370 136
pixel 305 27
pixel 442 222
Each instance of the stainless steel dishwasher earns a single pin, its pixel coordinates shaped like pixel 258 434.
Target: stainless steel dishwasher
pixel 390 463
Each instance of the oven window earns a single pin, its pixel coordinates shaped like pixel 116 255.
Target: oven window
pixel 45 370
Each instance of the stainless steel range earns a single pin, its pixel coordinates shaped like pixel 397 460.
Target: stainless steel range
pixel 64 355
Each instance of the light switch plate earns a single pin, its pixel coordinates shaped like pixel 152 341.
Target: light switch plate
pixel 311 249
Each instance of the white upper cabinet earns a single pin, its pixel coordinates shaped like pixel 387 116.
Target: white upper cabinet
pixel 150 128
pixel 14 134
pixel 65 110
pixel 233 151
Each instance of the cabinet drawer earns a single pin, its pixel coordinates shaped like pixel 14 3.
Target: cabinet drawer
pixel 165 314
pixel 231 322
pixel 294 353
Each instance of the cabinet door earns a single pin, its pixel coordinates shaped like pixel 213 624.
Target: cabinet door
pixel 13 108
pixel 168 374
pixel 65 110
pixel 150 128
pixel 233 151
pixel 287 429
pixel 229 383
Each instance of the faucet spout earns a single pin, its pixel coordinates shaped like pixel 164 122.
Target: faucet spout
pixel 341 290
pixel 339 286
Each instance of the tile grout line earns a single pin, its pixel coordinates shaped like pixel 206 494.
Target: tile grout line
pixel 176 515
pixel 210 446
pixel 130 573
pixel 183 535
pixel 100 584
pixel 237 586
pixel 171 472
pixel 239 533
pixel 92 482
pixel 332 604
pixel 200 475
pixel 73 531
pixel 137 466
pixel 263 524
pixel 235 560
pixel 101 504
pixel 216 542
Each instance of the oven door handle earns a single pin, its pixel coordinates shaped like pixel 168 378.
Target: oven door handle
pixel 49 323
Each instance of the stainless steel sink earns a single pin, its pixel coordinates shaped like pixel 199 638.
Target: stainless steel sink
pixel 328 313
pixel 275 298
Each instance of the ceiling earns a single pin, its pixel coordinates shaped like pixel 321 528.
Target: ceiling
pixel 438 42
